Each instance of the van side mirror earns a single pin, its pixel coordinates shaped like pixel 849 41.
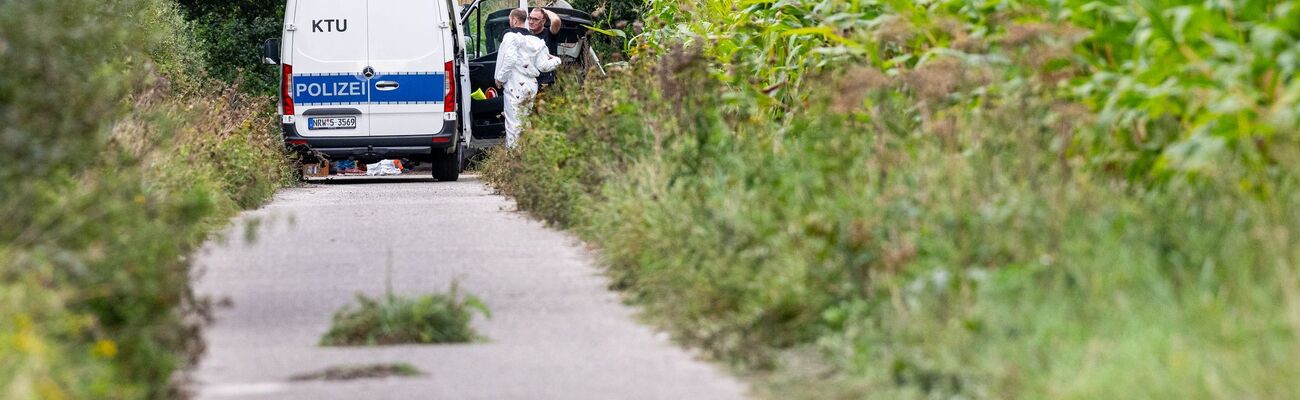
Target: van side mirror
pixel 271 52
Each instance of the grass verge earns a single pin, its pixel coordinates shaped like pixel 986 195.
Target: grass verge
pixel 919 247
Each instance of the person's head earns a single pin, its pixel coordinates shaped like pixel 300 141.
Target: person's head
pixel 537 20
pixel 517 17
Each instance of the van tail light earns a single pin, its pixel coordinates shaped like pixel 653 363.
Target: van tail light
pixel 449 103
pixel 286 82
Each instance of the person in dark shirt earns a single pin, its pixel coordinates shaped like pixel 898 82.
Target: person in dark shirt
pixel 545 25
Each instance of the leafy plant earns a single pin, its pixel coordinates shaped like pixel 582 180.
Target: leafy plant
pixel 392 319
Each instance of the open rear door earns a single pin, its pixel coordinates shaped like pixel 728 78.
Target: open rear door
pixel 485 29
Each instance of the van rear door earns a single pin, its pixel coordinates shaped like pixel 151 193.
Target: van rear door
pixel 409 45
pixel 329 56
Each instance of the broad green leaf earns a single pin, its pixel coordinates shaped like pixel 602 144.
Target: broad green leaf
pixel 607 32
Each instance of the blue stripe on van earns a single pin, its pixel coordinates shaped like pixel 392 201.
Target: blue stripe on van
pixel 337 89
pixel 413 88
pixel 348 89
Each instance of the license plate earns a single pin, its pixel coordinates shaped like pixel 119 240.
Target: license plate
pixel 332 123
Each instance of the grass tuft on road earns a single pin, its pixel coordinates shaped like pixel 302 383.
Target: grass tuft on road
pixel 391 320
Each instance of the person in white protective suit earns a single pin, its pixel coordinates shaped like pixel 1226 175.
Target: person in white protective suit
pixel 521 58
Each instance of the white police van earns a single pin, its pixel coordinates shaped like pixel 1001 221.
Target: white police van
pixel 374 79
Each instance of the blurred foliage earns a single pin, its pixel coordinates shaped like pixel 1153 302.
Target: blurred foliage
pixel 121 157
pixel 950 199
pixel 1181 83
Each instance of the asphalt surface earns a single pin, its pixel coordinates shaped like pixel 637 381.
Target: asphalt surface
pixel 556 331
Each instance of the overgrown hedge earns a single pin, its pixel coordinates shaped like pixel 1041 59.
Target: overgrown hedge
pixel 232 33
pixel 903 200
pixel 120 157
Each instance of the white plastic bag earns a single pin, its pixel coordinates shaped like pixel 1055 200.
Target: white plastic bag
pixel 382 168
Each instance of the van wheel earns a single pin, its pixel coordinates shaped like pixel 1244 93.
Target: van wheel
pixel 446 167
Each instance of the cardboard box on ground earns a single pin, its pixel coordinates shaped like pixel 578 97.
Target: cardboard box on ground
pixel 317 170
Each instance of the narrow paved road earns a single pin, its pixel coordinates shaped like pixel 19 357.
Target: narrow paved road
pixel 556 332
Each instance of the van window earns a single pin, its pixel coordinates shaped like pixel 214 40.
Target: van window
pixel 472 38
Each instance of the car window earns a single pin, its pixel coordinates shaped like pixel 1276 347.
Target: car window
pixel 485 26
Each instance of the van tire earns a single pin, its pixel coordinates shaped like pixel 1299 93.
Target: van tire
pixel 446 167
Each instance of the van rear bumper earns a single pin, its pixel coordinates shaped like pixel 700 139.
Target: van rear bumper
pixel 374 147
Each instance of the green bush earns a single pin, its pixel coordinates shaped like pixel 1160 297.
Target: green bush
pixel 118 167
pixel 88 60
pixel 941 231
pixel 234 50
pixel 231 34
